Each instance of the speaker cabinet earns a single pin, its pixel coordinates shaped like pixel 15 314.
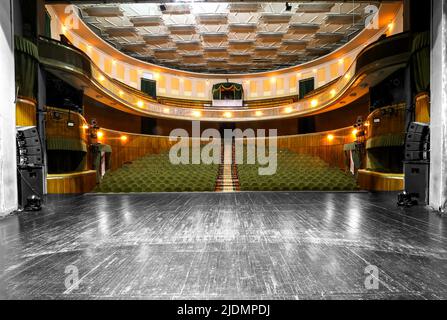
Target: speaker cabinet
pixel 29 148
pixel 417 179
pixel 30 183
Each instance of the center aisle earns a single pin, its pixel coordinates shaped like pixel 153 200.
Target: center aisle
pixel 227 180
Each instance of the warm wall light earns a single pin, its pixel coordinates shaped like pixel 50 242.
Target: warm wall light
pixel 85 126
pixel 298 75
pixel 89 47
pixel 367 124
pixel 156 76
pixel 100 135
pixel 121 93
pixel 166 110
pixel 258 113
pixel 333 93
pixel 101 78
pixel 273 79
pixel 314 103
pixel 330 137
pixel 227 114
pixel 63 29
pixel 354 132
pixel 114 62
pixel 140 104
pixel 391 26
pixel 347 76
pixel 314 70
pixel 123 138
pixel 340 61
pixel 288 110
pixel 196 114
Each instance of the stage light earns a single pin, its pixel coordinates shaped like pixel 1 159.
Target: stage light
pixel 100 135
pixel 196 114
pixel 258 113
pixel 227 114
pixel 140 104
pixel 288 110
pixel 330 137
pixel 123 138
pixel 314 103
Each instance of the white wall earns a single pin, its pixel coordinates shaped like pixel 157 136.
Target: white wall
pixel 8 179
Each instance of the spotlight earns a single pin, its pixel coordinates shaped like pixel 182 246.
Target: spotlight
pixel 288 6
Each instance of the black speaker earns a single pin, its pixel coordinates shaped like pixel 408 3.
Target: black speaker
pixel 30 186
pixel 417 146
pixel 417 137
pixel 417 155
pixel 419 128
pixel 417 179
pixel 29 149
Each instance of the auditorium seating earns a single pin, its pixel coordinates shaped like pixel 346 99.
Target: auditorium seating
pixel 155 173
pixel 296 172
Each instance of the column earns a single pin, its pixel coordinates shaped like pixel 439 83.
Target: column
pixel 8 169
pixel 438 108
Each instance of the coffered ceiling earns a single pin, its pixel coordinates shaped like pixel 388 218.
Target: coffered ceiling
pixel 227 37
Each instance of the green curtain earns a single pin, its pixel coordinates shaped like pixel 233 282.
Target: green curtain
pixel 228 86
pixel 306 86
pixel 26 61
pixel 47 25
pixel 389 140
pixel 149 87
pixel 420 61
pixel 62 143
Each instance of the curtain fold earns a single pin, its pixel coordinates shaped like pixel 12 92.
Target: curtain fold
pixel 420 61
pixel 26 61
pixel 218 88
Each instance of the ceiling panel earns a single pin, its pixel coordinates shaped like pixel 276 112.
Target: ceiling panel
pixel 227 37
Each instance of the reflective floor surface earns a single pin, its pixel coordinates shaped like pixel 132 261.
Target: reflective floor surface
pixel 224 246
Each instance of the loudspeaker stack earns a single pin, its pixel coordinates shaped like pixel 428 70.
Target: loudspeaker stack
pixel 417 161
pixel 30 173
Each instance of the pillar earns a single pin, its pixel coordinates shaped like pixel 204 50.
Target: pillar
pixel 438 108
pixel 8 169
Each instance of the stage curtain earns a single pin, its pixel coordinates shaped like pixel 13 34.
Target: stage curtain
pixel 420 61
pixel 227 86
pixel 26 61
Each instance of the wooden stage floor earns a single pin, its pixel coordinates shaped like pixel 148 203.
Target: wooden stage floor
pixel 223 246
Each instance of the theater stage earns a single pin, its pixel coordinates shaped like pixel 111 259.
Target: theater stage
pixel 216 245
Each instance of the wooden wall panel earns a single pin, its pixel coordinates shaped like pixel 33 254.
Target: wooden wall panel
pixel 25 112
pixel 390 123
pixel 56 126
pixel 375 181
pixel 80 182
pixel 423 107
